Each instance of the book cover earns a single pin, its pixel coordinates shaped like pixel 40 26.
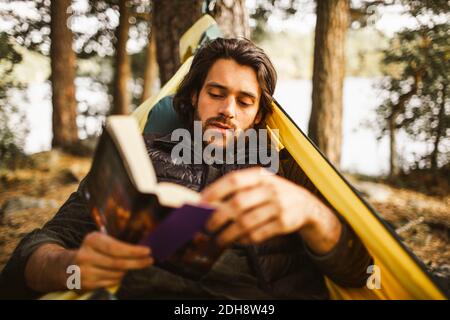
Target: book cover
pixel 120 207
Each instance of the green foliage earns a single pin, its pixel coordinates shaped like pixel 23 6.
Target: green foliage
pixel 12 123
pixel 363 13
pixel 417 86
pixel 100 41
pixel 265 8
pixel 31 28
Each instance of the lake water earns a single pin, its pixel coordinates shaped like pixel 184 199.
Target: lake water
pixel 361 152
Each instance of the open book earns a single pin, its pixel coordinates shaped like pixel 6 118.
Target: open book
pixel 127 203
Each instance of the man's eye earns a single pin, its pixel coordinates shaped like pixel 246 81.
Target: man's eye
pixel 245 104
pixel 215 95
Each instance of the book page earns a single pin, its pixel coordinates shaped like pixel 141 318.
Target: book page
pixel 174 195
pixel 124 131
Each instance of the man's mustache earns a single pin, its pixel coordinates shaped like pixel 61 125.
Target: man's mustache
pixel 221 120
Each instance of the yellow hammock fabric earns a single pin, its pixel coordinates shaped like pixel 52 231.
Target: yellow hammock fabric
pixel 401 275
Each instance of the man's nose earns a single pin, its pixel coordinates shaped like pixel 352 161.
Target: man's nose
pixel 228 107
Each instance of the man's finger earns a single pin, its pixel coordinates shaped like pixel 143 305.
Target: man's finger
pixel 258 216
pixel 246 223
pixel 110 263
pixel 264 232
pixel 116 248
pixel 237 205
pixel 232 183
pixel 130 264
pixel 102 274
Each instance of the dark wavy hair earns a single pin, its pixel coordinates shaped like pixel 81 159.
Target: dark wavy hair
pixel 244 52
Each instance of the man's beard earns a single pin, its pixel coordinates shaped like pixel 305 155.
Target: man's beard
pixel 222 120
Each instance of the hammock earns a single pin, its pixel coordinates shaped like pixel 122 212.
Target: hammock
pixel 402 275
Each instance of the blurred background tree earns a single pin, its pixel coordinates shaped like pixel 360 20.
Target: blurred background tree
pixel 63 65
pixel 231 15
pixel 417 69
pixel 325 124
pixel 334 18
pixel 12 127
pixel 170 27
pixel 34 33
pixel 104 46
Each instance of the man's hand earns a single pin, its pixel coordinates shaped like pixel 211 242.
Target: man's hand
pixel 261 205
pixel 104 260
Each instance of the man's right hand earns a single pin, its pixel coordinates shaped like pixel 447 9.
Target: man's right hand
pixel 104 260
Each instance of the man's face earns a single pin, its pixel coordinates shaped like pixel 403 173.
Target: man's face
pixel 228 102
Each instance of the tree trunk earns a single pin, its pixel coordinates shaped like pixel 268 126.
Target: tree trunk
pixel 122 70
pixel 325 124
pixel 394 168
pixel 440 130
pixel 151 66
pixel 172 18
pixel 232 18
pixel 63 65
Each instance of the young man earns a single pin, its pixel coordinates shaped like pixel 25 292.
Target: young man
pixel 282 236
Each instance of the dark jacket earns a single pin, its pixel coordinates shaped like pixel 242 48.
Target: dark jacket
pixel 282 267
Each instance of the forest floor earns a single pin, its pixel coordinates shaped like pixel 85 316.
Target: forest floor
pixel 31 196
